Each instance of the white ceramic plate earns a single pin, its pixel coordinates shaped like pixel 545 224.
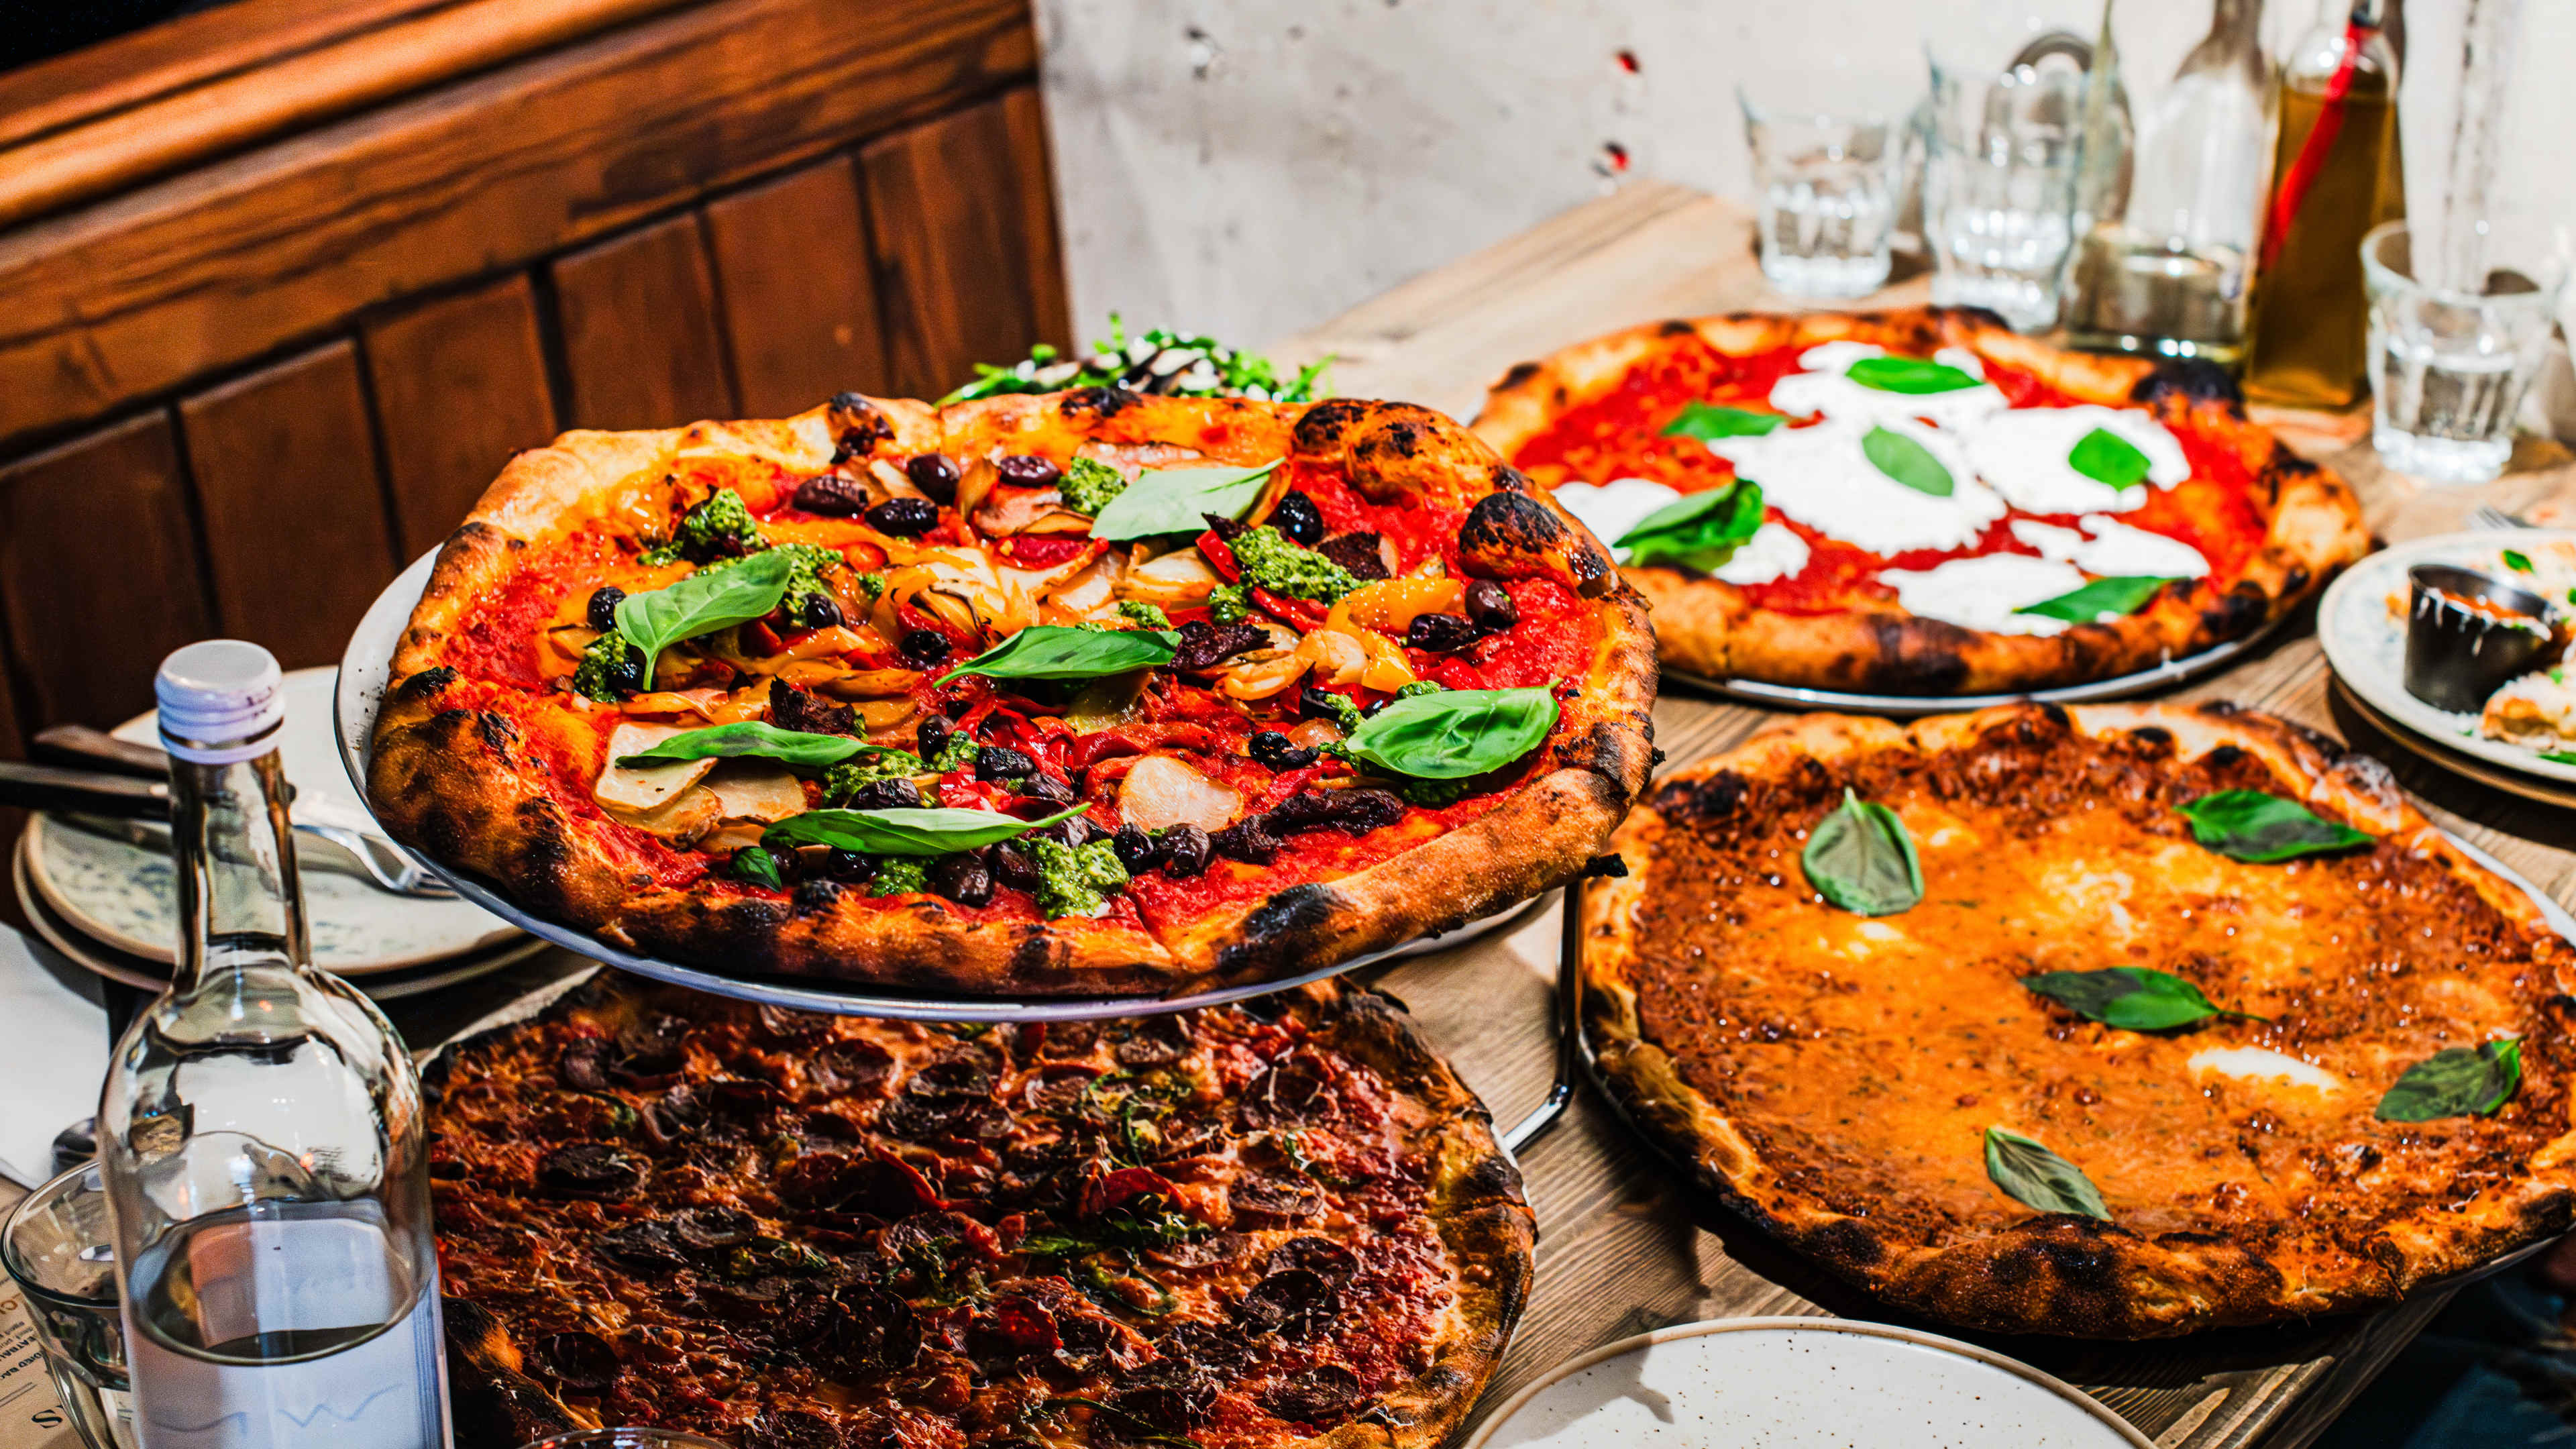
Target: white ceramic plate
pixel 2366 643
pixel 1800 1383
pixel 120 894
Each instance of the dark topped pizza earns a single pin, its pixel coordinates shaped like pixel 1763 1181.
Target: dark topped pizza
pixel 1921 502
pixel 1084 692
pixel 1284 1224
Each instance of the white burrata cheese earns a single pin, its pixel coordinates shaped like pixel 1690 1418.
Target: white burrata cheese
pixel 1611 509
pixel 1838 356
pixel 1775 551
pixel 2256 1064
pixel 1981 593
pixel 1803 394
pixel 2023 454
pixel 2114 550
pixel 1821 477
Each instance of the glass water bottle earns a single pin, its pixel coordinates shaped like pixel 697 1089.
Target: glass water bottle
pixel 2163 269
pixel 261 1132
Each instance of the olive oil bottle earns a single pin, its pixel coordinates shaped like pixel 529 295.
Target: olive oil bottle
pixel 2336 175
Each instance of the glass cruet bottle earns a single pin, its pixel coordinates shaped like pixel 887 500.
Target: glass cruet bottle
pixel 261 1132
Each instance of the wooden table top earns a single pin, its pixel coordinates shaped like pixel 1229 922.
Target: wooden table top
pixel 1625 1246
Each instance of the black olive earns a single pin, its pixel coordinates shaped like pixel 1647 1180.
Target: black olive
pixel 1491 606
pixel 603 608
pixel 1047 788
pixel 817 611
pixel 1001 762
pixel 1185 851
pixel 1079 830
pixel 886 795
pixel 833 496
pixel 1277 751
pixel 934 474
pixel 932 735
pixel 641 1245
pixel 1313 703
pixel 1442 633
pixel 849 865
pixel 1247 841
pixel 904 517
pixel 1374 708
pixel 815 895
pixel 626 675
pixel 1137 851
pixel 1298 520
pixel 1294 1304
pixel 925 648
pixel 1028 471
pixel 584 1065
pixel 962 878
pixel 1012 867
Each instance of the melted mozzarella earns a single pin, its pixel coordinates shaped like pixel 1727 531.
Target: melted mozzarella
pixel 1821 477
pixel 1775 551
pixel 1835 396
pixel 1838 356
pixel 2023 454
pixel 1611 509
pixel 2257 1064
pixel 1981 593
pixel 2115 550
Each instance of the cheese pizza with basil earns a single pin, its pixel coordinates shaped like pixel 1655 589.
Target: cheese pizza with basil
pixel 1922 502
pixel 1082 692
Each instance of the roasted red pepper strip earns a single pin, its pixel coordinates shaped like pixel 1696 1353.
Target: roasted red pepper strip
pixel 1308 617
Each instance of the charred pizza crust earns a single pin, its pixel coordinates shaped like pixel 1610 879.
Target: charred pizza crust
pixel 2388 1207
pixel 1710 628
pixel 502 1114
pixel 466 785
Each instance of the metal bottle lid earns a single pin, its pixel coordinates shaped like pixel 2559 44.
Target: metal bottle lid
pixel 220 702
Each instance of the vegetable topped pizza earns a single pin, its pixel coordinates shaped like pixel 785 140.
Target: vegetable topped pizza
pixel 1921 502
pixel 1082 692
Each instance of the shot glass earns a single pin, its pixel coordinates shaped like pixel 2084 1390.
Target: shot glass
pixel 59 1247
pixel 2000 163
pixel 1829 189
pixel 2449 366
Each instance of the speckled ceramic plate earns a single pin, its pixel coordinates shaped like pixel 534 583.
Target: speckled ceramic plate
pixel 120 894
pixel 2366 643
pixel 1800 1383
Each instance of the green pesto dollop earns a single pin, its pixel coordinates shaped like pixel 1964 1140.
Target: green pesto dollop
pixel 899 875
pixel 1150 616
pixel 610 669
pixel 1075 880
pixel 719 525
pixel 1270 561
pixel 847 778
pixel 1229 603
pixel 1088 485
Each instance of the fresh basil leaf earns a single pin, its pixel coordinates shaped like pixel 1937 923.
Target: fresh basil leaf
pixel 2249 825
pixel 2455 1082
pixel 1910 374
pixel 1906 461
pixel 2132 998
pixel 2039 1179
pixel 751 737
pixel 904 832
pixel 2518 562
pixel 2106 457
pixel 1708 420
pixel 758 866
pixel 1053 651
pixel 1177 500
pixel 704 602
pixel 2098 597
pixel 1455 733
pixel 1697 530
pixel 1861 859
pixel 2559 757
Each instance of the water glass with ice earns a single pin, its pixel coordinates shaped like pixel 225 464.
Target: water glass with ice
pixel 1828 185
pixel 2448 365
pixel 1999 188
pixel 59 1246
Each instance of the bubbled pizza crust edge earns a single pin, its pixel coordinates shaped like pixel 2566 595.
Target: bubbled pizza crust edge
pixel 1710 628
pixel 458 783
pixel 2057 1273
pixel 1476 1203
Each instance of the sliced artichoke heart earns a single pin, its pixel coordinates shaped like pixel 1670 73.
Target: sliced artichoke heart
pixel 761 790
pixel 638 789
pixel 1161 790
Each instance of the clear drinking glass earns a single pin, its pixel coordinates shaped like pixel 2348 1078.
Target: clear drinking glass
pixel 1829 195
pixel 2448 368
pixel 1999 188
pixel 59 1244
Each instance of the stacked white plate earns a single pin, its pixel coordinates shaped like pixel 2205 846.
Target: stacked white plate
pixel 107 903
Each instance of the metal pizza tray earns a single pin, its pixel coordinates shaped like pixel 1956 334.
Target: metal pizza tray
pixel 367 666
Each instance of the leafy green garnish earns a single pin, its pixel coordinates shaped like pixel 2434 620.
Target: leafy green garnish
pixel 704 602
pixel 2132 998
pixel 2106 457
pixel 754 864
pixel 2252 826
pixel 1454 733
pixel 798 748
pixel 1088 485
pixel 2559 757
pixel 2123 595
pixel 1055 651
pixel 1906 461
pixel 1708 420
pixel 1861 859
pixel 2456 1082
pixel 1238 374
pixel 925 831
pixel 1697 530
pixel 1179 500
pixel 1269 560
pixel 2518 562
pixel 1909 375
pixel 2039 1179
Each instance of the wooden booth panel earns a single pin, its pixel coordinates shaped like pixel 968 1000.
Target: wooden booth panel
pixel 460 385
pixel 639 331
pixel 98 572
pixel 800 308
pixel 968 269
pixel 296 534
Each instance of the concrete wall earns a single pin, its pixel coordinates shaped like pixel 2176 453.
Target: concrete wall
pixel 1251 167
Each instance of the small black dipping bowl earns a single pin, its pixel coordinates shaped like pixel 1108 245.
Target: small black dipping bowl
pixel 2455 655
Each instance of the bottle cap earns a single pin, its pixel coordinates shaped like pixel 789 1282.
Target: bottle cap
pixel 220 702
